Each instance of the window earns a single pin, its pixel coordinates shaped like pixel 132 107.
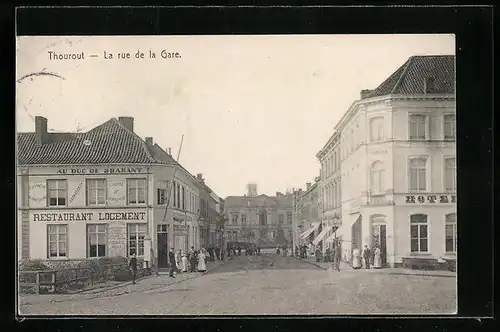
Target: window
pixel 136 234
pixel 183 198
pixel 289 217
pixel 430 85
pixel 418 176
pixel 178 195
pixel 174 192
pixel 57 241
pixel 235 219
pixel 451 232
pixel 335 163
pixel 377 177
pixel 161 193
pixel 449 126
pixel 417 127
pixel 96 237
pixel 450 172
pixel 418 233
pixel 244 219
pixel 57 192
pixel 136 191
pixel 377 129
pixel 96 191
pixel 281 219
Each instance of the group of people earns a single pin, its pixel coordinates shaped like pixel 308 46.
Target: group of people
pixel 369 257
pixel 192 261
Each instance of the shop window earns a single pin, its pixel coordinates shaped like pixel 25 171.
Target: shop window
pixel 96 192
pixel 136 189
pixel 450 174
pixel 418 233
pixel 97 238
pixel 57 192
pixel 57 241
pixel 418 127
pixel 136 234
pixel 451 233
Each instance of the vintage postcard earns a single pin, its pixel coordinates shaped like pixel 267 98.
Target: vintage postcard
pixel 236 175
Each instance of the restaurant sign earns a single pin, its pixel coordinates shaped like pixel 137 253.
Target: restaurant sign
pixel 430 199
pixel 89 216
pixel 107 170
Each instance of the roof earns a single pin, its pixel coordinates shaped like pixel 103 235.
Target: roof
pixel 108 143
pixel 259 201
pixel 411 76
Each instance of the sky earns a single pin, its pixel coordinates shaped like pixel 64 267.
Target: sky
pixel 252 109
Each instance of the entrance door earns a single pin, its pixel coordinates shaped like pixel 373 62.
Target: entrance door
pixel 162 250
pixel 380 240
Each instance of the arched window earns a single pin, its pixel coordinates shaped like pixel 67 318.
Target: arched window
pixel 418 233
pixel 451 232
pixel 377 129
pixel 377 176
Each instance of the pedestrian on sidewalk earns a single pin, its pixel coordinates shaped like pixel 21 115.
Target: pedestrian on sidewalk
pixel 178 257
pixel 184 262
pixel 217 252
pixel 202 267
pixel 337 256
pixel 192 260
pixel 133 267
pixel 171 263
pixel 356 258
pixel 376 258
pixel 367 255
pixel 296 251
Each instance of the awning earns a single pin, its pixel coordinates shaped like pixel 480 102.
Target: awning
pixel 333 236
pixel 308 232
pixel 322 235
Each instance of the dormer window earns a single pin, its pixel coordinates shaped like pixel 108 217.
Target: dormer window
pixel 430 85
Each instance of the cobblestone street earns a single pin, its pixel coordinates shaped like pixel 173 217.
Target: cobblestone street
pixel 263 285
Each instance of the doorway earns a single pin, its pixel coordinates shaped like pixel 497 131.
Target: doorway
pixel 162 243
pixel 356 234
pixel 380 240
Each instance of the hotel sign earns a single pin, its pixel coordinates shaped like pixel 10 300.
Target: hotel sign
pixel 89 216
pixel 430 199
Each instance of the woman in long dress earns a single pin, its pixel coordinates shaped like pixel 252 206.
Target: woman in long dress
pixel 356 258
pixel 376 258
pixel 178 261
pixel 184 262
pixel 202 267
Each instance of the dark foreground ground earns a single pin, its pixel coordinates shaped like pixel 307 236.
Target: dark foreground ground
pixel 261 285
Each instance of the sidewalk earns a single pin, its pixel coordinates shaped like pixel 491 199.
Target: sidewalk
pixel 114 288
pixel 390 270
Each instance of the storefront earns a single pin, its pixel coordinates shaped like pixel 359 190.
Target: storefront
pixel 79 234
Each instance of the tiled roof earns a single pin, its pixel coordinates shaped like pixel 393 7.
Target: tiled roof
pixel 258 201
pixel 411 76
pixel 110 143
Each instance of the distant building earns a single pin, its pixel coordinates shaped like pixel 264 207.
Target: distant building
pixel 308 209
pixel 252 190
pixel 262 220
pixel 398 165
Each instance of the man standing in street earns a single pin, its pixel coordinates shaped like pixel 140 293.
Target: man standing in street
pixel 192 260
pixel 171 263
pixel 133 267
pixel 367 256
pixel 337 255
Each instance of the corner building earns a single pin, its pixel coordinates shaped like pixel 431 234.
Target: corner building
pixel 101 193
pixel 398 166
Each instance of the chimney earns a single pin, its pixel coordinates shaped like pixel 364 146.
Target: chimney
pixel 308 185
pixel 199 176
pixel 365 93
pixel 41 130
pixel 169 150
pixel 149 141
pixel 127 121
